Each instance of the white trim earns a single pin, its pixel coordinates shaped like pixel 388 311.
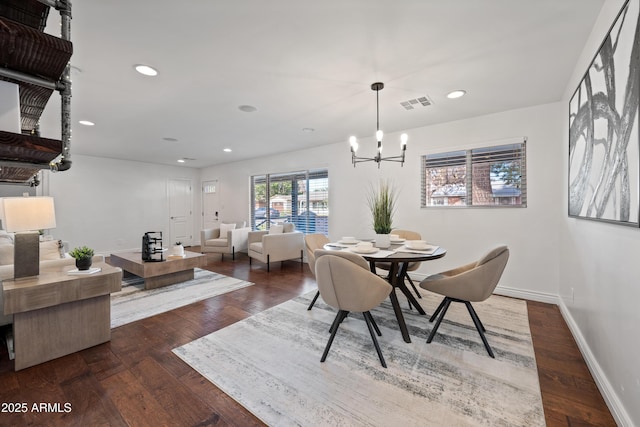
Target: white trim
pixel 527 294
pixel 510 292
pixel 607 391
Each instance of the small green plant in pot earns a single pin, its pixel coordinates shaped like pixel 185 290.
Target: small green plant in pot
pixel 382 204
pixel 83 256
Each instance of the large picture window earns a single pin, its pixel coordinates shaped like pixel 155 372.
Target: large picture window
pixel 487 176
pixel 298 197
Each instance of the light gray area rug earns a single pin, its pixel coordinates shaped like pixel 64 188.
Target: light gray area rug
pixel 270 363
pixel 133 302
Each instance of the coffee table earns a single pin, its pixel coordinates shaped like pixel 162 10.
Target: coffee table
pixel 162 273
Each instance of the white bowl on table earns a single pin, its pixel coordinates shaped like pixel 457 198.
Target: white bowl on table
pixel 348 240
pixel 365 248
pixel 416 244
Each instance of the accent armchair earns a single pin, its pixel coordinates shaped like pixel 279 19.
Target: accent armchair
pixel 280 243
pixel 227 238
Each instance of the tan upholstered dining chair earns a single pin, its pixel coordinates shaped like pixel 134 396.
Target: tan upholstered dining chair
pixel 473 282
pixel 311 243
pixel 346 283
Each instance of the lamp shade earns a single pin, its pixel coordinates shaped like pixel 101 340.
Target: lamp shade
pixel 27 213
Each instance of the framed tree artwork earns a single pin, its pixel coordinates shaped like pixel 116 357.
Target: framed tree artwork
pixel 604 152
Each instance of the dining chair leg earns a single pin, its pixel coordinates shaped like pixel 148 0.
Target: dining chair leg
pixel 375 325
pixel 479 327
pixel 470 307
pixel 313 301
pixel 369 320
pixel 339 319
pixel 447 302
pixel 435 313
pixel 413 286
pixel 334 329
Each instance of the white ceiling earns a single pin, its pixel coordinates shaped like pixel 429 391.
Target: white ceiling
pixel 303 64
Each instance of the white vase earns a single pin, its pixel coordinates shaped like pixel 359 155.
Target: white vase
pixel 383 241
pixel 178 250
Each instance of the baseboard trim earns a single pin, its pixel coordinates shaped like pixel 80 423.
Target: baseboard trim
pixel 606 388
pixel 509 292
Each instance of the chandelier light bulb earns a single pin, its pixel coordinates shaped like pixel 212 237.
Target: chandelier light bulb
pixel 354 143
pixel 403 141
pixel 379 135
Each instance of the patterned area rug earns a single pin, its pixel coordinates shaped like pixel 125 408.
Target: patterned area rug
pixel 133 302
pixel 270 363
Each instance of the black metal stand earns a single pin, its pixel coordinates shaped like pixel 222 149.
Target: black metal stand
pixel 152 247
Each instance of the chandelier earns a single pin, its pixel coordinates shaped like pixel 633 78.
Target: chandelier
pixel 379 134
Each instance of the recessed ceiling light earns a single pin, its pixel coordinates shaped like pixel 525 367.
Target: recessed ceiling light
pixel 146 70
pixel 247 108
pixel 86 123
pixel 227 150
pixel 456 94
pixel 308 130
pixel 181 160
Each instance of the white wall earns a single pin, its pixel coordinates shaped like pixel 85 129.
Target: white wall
pixel 531 232
pixel 109 204
pixel 599 263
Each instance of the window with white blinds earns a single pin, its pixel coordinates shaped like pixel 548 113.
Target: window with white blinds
pixel 298 197
pixel 489 177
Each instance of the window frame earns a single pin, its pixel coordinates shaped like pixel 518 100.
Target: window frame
pixel 468 157
pixel 299 207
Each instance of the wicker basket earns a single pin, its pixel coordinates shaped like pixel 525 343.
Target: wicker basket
pixel 28 12
pixel 25 49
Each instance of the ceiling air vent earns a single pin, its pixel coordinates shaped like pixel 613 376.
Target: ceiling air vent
pixel 412 104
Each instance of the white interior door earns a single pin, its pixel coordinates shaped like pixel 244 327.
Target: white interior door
pixel 180 212
pixel 210 203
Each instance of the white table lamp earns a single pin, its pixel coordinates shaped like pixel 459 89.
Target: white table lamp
pixel 25 216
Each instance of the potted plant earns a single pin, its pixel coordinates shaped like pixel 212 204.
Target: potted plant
pixel 382 204
pixel 83 256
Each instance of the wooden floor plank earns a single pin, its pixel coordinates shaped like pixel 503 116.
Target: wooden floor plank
pixel 135 379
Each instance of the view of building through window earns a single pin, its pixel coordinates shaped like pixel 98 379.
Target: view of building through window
pixel 298 197
pixel 488 176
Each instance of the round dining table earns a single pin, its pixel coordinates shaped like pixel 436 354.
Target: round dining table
pixel 397 263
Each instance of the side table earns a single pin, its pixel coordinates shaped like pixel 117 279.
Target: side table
pixel 55 313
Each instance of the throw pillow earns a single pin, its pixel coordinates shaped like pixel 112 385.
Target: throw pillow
pixel 50 250
pixel 289 227
pixel 276 229
pixel 225 228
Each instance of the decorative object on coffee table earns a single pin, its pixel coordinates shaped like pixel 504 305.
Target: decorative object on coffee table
pixel 152 250
pixel 83 256
pixel 177 250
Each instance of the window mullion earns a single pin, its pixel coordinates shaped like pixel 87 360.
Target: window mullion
pixel 469 178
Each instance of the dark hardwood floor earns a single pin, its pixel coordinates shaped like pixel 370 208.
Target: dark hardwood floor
pixel 135 380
